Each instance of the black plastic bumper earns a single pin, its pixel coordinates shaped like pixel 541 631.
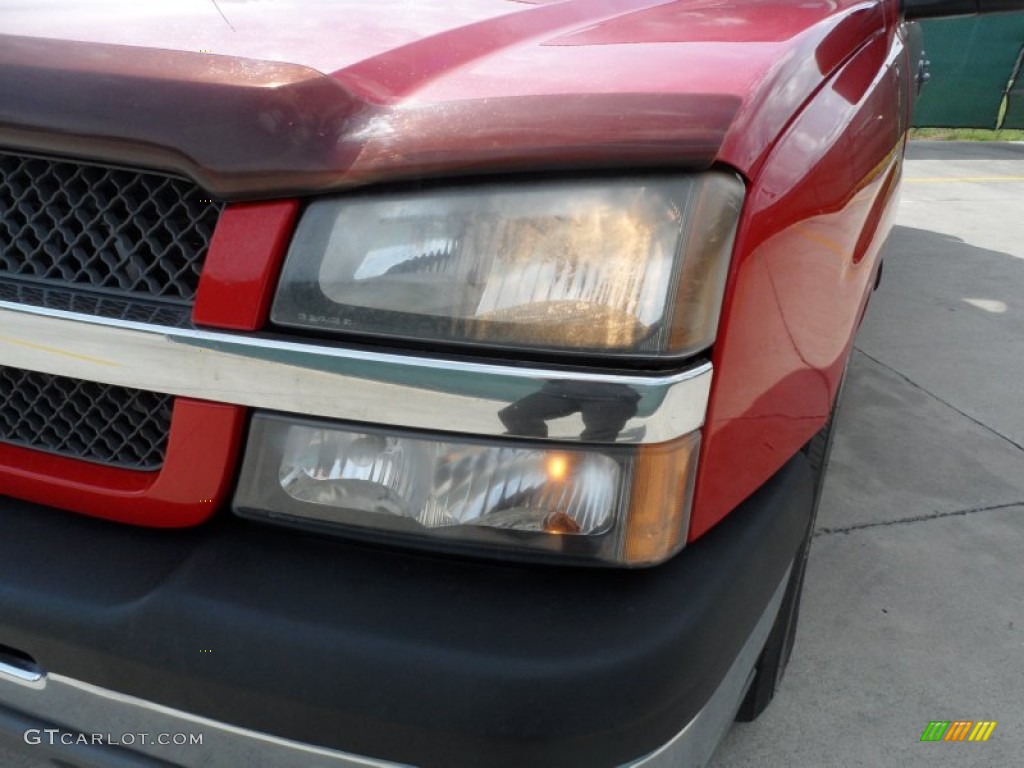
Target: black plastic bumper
pixel 417 659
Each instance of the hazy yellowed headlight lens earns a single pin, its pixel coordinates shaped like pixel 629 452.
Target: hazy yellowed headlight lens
pixel 631 267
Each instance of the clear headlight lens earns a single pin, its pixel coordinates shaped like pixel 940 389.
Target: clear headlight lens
pixel 615 504
pixel 633 267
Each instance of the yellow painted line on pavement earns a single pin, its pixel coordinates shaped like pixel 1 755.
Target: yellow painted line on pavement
pixel 61 352
pixel 960 179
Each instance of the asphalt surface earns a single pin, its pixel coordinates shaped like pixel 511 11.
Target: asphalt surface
pixel 914 604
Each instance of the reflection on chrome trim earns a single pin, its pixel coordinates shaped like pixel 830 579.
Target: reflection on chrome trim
pixel 24 674
pixel 356 385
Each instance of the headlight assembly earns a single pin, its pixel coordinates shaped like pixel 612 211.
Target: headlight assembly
pixel 613 504
pixel 631 267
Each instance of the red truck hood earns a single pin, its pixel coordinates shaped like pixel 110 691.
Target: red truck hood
pixel 269 97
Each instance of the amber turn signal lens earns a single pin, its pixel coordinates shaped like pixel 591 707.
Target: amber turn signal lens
pixel 659 514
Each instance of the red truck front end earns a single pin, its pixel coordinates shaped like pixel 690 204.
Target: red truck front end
pixel 427 386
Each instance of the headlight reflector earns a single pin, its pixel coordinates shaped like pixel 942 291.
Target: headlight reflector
pixel 614 504
pixel 631 267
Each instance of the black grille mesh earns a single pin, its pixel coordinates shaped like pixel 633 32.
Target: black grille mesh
pixel 116 232
pixel 111 425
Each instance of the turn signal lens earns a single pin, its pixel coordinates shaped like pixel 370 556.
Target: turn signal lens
pixel 662 491
pixel 610 504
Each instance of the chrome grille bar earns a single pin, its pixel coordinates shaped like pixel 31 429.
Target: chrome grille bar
pixel 356 385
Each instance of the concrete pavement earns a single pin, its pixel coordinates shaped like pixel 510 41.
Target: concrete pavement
pixel 914 603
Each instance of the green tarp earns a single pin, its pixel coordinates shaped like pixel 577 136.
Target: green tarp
pixel 973 61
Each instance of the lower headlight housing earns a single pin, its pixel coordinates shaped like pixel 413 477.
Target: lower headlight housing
pixel 577 503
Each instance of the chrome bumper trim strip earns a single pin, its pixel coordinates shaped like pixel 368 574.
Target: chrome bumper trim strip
pixel 24 674
pixel 356 385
